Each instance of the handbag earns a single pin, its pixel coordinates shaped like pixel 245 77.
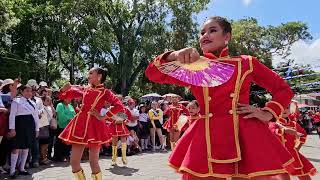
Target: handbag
pixel 44 132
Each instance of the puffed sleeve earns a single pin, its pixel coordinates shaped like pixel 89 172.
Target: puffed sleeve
pixel 12 116
pixel 275 84
pixel 153 74
pixel 116 104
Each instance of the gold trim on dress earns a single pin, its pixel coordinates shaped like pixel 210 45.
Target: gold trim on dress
pixel 272 112
pixel 207 127
pixel 235 116
pixel 278 104
pixel 98 97
pixel 183 169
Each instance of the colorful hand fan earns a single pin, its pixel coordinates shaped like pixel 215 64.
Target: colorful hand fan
pixel 120 117
pixel 204 72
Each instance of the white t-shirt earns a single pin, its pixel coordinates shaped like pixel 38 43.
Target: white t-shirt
pixel 143 117
pixel 134 112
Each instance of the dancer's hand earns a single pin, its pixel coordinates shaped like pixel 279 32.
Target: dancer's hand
pixel 185 56
pixel 37 134
pixel 252 112
pixel 292 132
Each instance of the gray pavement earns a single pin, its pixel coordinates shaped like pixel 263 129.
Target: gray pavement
pixel 146 166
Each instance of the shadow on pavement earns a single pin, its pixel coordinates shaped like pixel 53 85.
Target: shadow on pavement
pixel 122 170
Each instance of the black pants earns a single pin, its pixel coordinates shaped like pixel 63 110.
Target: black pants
pixel 52 136
pixel 61 150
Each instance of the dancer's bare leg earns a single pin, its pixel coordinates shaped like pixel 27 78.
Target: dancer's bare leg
pixel 76 154
pixel 94 159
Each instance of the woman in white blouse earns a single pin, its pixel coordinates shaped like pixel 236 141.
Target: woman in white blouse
pixel 24 128
pixel 44 128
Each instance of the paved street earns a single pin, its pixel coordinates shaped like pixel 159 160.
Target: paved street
pixel 147 166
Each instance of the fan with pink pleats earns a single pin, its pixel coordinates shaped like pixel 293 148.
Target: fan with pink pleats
pixel 203 72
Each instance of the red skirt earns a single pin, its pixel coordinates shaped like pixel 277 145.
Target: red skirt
pixel 95 134
pixel 261 153
pixel 119 130
pixel 301 165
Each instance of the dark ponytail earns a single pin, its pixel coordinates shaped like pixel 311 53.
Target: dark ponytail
pixel 23 87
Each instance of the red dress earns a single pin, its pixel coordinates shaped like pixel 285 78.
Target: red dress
pixel 301 165
pixel 84 128
pixel 173 112
pixel 224 144
pixel 120 130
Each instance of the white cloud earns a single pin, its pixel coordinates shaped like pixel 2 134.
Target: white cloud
pixel 304 53
pixel 247 2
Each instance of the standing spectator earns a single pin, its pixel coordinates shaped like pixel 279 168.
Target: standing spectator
pixel 144 127
pixel 35 147
pixel 42 86
pixel 3 131
pixel 308 118
pixel 8 90
pixel 44 138
pixel 53 127
pixel 155 114
pixel 65 112
pixel 24 128
pixel 164 106
pixel 133 122
pixel 43 92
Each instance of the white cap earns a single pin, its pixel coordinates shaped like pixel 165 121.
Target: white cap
pixel 43 84
pixel 33 83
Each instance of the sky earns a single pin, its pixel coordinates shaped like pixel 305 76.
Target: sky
pixel 275 12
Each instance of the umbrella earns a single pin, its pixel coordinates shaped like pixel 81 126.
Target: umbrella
pixel 151 97
pixel 170 95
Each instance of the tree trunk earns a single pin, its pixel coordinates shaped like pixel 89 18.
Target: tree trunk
pixel 72 69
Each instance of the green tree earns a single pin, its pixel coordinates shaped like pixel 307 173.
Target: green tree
pixel 265 42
